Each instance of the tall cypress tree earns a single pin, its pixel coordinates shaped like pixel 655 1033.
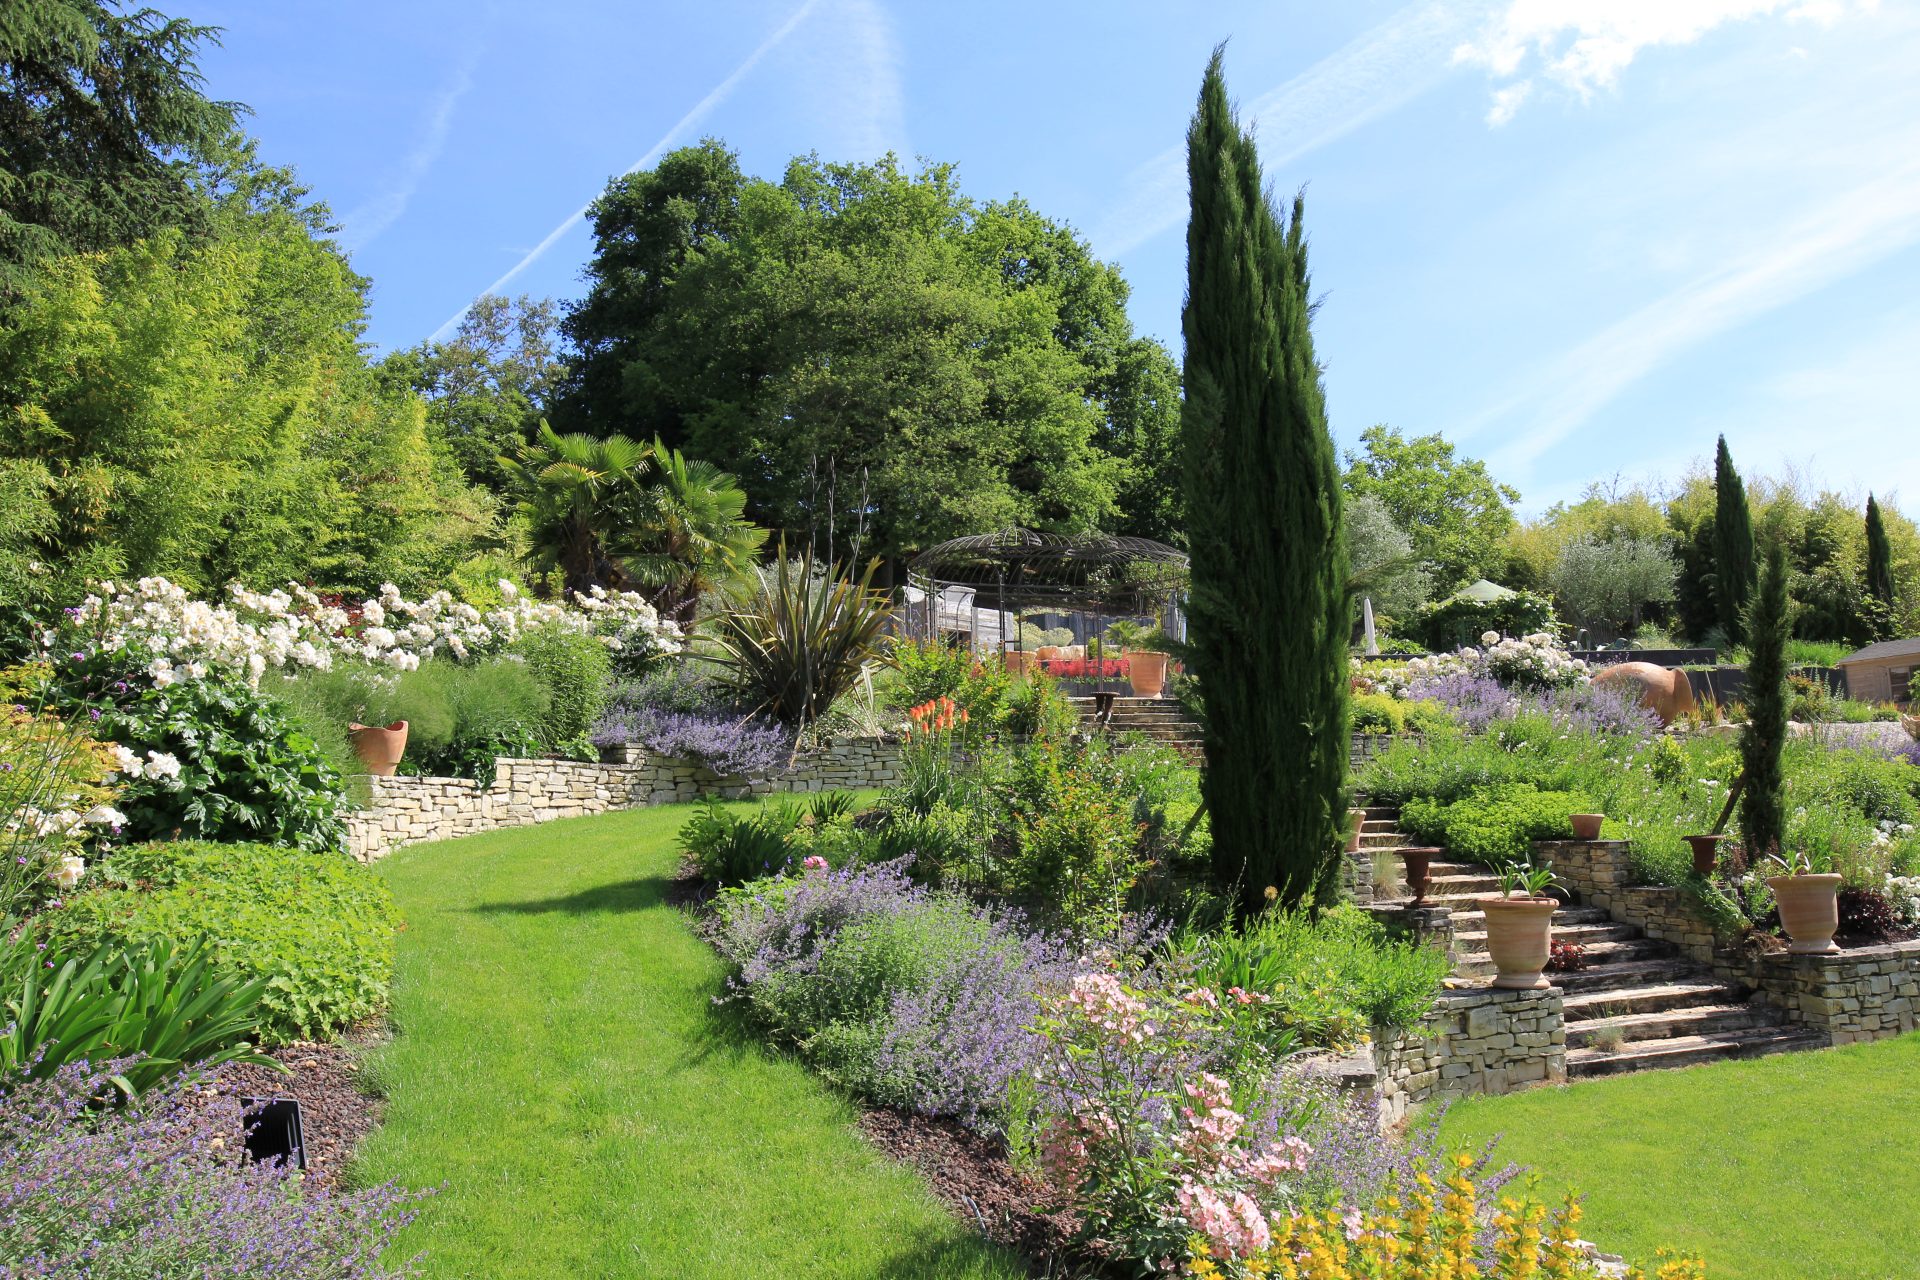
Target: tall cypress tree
pixel 1268 611
pixel 1762 815
pixel 1732 546
pixel 1879 569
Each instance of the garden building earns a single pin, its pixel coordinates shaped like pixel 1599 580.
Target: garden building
pixel 1882 672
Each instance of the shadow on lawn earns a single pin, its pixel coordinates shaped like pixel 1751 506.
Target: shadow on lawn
pixel 633 895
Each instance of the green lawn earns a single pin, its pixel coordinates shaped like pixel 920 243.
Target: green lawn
pixel 560 1074
pixel 1798 1167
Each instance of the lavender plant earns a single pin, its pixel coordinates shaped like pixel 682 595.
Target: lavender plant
pixel 157 1190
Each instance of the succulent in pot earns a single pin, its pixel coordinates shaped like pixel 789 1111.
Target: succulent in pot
pixel 1520 927
pixel 1809 905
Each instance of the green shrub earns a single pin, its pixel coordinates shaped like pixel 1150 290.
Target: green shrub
pixel 156 1002
pixel 1329 981
pixel 804 639
pixel 930 669
pixel 1496 826
pixel 1078 855
pixel 730 846
pixel 575 670
pixel 246 770
pixel 1454 622
pixel 316 929
pixel 1377 713
pixel 1036 708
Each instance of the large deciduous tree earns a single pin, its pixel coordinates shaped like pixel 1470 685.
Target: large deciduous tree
pixel 488 386
pixel 1457 514
pixel 1269 610
pixel 877 355
pixel 1733 569
pixel 101 115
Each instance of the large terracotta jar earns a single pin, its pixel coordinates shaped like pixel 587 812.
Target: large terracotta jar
pixel 1810 910
pixel 1519 938
pixel 379 746
pixel 1147 673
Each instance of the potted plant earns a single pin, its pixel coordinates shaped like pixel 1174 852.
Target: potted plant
pixel 1586 826
pixel 1520 927
pixel 1809 905
pixel 1146 661
pixel 379 746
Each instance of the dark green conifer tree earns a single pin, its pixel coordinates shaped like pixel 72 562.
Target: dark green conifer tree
pixel 1268 612
pixel 1879 570
pixel 1762 813
pixel 1732 546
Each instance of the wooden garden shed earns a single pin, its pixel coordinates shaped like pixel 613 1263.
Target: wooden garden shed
pixel 1882 672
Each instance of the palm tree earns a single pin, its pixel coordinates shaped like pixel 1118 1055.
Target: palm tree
pixel 687 533
pixel 570 489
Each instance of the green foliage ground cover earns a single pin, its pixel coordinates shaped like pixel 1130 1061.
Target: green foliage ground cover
pixel 560 1071
pixel 1782 1168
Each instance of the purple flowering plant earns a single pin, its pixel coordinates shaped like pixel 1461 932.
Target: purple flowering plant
pixel 160 1188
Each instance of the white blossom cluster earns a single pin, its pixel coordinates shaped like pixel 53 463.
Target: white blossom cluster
pixel 1536 659
pixel 1904 893
pixel 294 628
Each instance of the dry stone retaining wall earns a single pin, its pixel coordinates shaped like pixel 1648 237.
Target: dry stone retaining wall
pixel 1478 1040
pixel 408 810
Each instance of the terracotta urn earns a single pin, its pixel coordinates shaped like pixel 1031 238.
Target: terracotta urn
pixel 1586 826
pixel 1520 939
pixel 379 746
pixel 1665 691
pixel 1016 661
pixel 1810 910
pixel 1147 673
pixel 1415 861
pixel 1356 823
pixel 1046 653
pixel 1706 850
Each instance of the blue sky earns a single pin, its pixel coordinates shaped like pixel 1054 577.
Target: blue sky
pixel 1579 237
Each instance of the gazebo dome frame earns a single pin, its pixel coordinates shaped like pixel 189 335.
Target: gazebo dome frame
pixel 1020 571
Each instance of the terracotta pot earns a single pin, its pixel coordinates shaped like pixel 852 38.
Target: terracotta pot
pixel 1520 937
pixel 1586 826
pixel 1810 910
pixel 379 747
pixel 1046 653
pixel 1356 820
pixel 1414 861
pixel 1706 849
pixel 1016 661
pixel 1147 673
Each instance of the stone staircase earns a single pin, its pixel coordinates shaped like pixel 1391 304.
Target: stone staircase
pixel 1163 720
pixel 1636 1006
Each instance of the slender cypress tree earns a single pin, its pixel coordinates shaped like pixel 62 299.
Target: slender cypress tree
pixel 1268 612
pixel 1762 815
pixel 1879 569
pixel 1732 546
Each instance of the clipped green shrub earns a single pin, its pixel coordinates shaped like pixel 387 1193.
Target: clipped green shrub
pixel 316 929
pixel 1494 826
pixel 576 671
pixel 1377 713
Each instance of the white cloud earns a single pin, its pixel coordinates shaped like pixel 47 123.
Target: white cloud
pixel 374 216
pixel 673 137
pixel 1372 76
pixel 845 76
pixel 1584 45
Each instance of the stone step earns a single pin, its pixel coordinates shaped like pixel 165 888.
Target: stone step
pixel 1691 993
pixel 1599 954
pixel 1462 884
pixel 1686 1051
pixel 1380 826
pixel 1612 975
pixel 1378 812
pixel 1476 919
pixel 1563 931
pixel 1669 1024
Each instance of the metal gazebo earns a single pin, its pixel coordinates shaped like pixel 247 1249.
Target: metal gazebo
pixel 976 589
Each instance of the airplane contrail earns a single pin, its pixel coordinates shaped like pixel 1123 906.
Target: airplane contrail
pixel 700 111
